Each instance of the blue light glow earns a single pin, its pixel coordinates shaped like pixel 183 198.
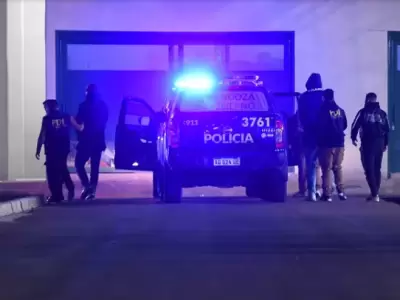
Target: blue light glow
pixel 196 82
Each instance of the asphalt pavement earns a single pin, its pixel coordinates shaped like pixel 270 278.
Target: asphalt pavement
pixel 204 248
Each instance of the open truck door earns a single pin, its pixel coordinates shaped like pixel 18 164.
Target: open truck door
pixel 136 135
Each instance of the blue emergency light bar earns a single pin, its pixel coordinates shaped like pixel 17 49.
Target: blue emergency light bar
pixel 242 80
pixel 204 82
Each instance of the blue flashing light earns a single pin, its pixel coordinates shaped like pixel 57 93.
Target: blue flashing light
pixel 197 82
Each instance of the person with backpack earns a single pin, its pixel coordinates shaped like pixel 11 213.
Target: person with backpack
pixel 332 123
pixel 373 125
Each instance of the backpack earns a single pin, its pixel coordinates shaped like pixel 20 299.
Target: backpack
pixel 373 125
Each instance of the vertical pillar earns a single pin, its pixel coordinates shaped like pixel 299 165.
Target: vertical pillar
pixel 3 92
pixel 26 85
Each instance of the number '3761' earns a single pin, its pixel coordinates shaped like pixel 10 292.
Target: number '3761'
pixel 256 121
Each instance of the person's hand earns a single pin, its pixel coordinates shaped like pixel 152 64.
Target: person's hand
pixel 354 142
pixel 82 127
pixel 37 155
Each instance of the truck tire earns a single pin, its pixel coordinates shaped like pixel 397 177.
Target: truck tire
pixel 157 184
pixel 172 191
pixel 275 192
pixel 252 191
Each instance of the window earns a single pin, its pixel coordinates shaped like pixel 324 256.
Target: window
pixel 117 58
pixel 257 58
pixel 203 55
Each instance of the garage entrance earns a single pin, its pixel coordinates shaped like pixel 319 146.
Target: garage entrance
pixel 393 102
pixel 141 64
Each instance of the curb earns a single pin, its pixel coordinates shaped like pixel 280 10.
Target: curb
pixel 21 205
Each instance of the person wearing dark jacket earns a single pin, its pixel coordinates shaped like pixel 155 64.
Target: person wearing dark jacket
pixel 295 135
pixel 55 136
pixel 93 115
pixel 373 125
pixel 332 123
pixel 309 105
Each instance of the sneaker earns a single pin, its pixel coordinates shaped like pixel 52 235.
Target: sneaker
pixel 318 194
pixel 90 197
pixel 85 193
pixel 369 198
pixel 342 196
pixel 376 199
pixel 299 194
pixel 71 195
pixel 326 198
pixel 90 194
pixel 312 197
pixel 52 199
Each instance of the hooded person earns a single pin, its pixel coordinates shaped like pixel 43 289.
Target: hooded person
pixel 309 105
pixel 373 125
pixel 332 123
pixel 93 115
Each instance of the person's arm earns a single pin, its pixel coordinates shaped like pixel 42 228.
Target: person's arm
pixel 103 114
pixel 75 124
pixel 355 126
pixel 386 128
pixel 80 116
pixel 41 139
pixel 344 120
pixel 301 113
pixel 321 121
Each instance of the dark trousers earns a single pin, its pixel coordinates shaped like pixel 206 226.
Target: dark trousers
pixel 82 157
pixel 57 173
pixel 371 158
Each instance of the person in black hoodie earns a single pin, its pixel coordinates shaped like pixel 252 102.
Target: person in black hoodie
pixel 93 115
pixel 373 124
pixel 309 105
pixel 332 123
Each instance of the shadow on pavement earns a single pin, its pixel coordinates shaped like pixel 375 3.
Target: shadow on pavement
pixel 151 201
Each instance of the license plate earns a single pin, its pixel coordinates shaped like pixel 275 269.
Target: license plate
pixel 226 162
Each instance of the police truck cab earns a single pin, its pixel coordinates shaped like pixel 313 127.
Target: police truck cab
pixel 211 132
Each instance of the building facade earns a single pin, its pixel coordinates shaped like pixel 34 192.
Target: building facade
pixel 345 41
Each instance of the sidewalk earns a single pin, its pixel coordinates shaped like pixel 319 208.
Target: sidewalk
pixel 139 185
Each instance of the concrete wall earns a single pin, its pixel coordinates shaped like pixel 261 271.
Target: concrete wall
pixel 3 91
pixel 26 85
pixel 346 41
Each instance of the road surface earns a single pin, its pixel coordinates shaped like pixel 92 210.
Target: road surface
pixel 204 248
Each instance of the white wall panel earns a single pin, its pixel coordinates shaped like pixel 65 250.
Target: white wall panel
pixel 346 41
pixel 3 92
pixel 26 85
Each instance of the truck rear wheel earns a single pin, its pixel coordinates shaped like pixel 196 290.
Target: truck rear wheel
pixel 252 191
pixel 157 183
pixel 172 190
pixel 275 192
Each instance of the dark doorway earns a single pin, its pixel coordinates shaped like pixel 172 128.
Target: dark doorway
pixel 393 101
pixel 141 64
